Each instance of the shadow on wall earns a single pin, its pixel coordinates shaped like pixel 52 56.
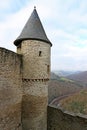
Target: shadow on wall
pixel 59 120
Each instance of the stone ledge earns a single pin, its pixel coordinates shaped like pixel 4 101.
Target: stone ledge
pixel 78 115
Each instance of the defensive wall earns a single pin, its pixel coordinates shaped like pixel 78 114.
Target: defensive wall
pixel 60 120
pixel 10 90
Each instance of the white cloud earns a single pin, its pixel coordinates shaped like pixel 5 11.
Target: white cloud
pixel 4 4
pixel 65 23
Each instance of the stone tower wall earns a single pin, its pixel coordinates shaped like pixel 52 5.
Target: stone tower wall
pixel 36 71
pixel 36 59
pixel 10 90
pixel 34 105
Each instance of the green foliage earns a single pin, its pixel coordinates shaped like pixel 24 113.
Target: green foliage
pixel 77 106
pixel 76 103
pixel 65 79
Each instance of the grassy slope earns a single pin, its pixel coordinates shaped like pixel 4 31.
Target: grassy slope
pixel 76 103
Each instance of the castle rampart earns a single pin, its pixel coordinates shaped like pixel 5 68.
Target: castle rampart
pixel 60 120
pixel 10 90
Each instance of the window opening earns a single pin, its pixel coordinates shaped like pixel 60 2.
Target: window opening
pixel 40 53
pixel 48 69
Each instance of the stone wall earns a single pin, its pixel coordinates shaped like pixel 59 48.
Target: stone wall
pixel 36 59
pixel 59 120
pixel 34 105
pixel 10 90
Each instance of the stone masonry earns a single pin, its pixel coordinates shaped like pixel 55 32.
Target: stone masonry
pixel 36 69
pixel 10 90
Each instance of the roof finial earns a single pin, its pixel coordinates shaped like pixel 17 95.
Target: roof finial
pixel 34 7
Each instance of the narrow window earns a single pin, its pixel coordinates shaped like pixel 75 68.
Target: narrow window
pixel 48 69
pixel 40 53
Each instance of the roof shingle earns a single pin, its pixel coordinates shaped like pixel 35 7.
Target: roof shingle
pixel 33 30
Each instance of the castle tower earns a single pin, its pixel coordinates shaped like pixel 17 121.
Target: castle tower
pixel 34 45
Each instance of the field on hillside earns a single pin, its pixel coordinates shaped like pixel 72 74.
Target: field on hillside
pixel 76 103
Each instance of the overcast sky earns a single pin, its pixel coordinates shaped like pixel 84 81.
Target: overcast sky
pixel 64 21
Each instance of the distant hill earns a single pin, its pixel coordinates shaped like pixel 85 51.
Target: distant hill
pixel 81 77
pixel 59 86
pixel 65 73
pixel 54 76
pixel 59 78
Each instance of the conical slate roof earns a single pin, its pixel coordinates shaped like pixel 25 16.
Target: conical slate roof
pixel 33 30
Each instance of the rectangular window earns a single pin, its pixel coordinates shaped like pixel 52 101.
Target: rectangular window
pixel 48 69
pixel 40 53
